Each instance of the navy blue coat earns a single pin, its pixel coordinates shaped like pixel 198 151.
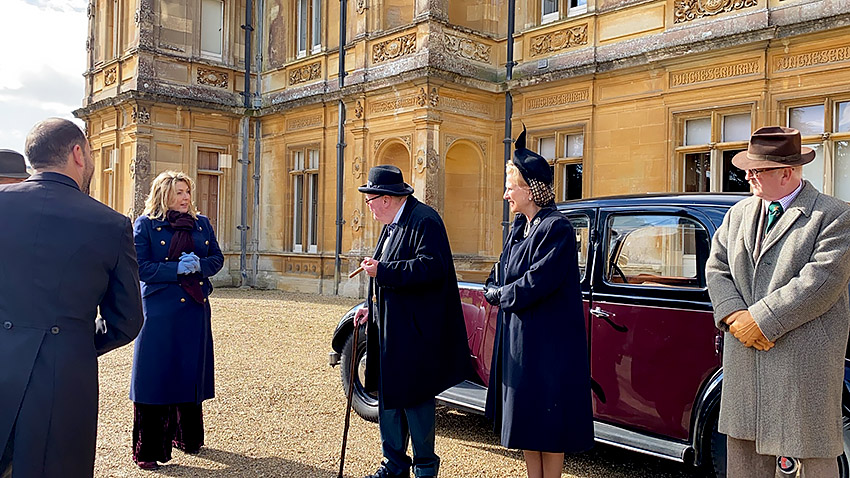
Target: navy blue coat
pixel 416 342
pixel 63 256
pixel 539 389
pixel 173 361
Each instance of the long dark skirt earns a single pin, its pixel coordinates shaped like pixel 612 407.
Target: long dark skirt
pixel 156 428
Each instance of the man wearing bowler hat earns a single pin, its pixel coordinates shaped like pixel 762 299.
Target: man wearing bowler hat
pixel 777 276
pixel 415 337
pixel 13 168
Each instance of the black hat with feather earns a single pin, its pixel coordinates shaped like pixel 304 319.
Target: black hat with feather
pixel 535 170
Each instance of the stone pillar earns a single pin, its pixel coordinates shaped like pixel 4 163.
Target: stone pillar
pixel 436 9
pixel 140 172
pixel 428 170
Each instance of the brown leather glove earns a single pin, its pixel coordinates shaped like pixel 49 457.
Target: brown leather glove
pixel 744 328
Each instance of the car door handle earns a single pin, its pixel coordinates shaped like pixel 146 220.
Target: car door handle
pixel 597 312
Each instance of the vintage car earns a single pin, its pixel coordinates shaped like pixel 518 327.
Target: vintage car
pixel 654 349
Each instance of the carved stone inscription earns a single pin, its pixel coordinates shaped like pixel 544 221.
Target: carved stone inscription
pixel 304 73
pixel 687 10
pixel 557 100
pixel 559 40
pixel 714 73
pixel 304 122
pixel 821 57
pixel 464 106
pixel 214 78
pixel 392 105
pixel 466 48
pixel 397 47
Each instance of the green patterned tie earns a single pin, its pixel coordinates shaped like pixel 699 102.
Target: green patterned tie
pixel 774 210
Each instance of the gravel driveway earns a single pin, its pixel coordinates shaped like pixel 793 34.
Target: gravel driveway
pixel 279 408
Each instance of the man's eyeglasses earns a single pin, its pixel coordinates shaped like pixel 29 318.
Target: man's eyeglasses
pixel 756 172
pixel 373 198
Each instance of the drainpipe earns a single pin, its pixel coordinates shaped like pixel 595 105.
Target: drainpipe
pixel 509 110
pixel 340 146
pixel 243 225
pixel 255 261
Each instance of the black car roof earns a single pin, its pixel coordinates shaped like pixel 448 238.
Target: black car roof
pixel 658 199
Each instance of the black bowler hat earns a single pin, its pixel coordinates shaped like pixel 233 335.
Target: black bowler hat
pixel 12 165
pixel 531 165
pixel 386 180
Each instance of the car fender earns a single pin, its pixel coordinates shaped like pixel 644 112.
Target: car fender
pixel 706 404
pixel 344 328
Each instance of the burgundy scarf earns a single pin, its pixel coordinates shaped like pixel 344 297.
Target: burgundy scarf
pixel 183 224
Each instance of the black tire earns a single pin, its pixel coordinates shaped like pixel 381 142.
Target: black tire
pixel 844 459
pixel 715 449
pixel 365 404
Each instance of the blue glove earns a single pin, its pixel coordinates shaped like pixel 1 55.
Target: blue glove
pixel 193 261
pixel 185 267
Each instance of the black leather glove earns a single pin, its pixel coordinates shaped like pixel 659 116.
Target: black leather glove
pixel 493 294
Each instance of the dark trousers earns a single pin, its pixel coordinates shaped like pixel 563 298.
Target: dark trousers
pixel 402 425
pixel 6 456
pixel 156 428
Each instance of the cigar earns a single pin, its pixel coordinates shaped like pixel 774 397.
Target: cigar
pixel 355 272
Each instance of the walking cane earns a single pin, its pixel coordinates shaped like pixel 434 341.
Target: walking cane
pixel 351 386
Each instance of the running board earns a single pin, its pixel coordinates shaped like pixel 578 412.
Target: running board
pixel 629 440
pixel 466 396
pixel 472 397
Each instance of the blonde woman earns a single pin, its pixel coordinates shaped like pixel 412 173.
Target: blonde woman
pixel 173 362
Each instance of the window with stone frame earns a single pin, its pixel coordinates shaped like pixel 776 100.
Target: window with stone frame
pixel 551 10
pixel 824 124
pixel 208 185
pixel 109 158
pixel 212 28
pixel 308 27
pixel 707 141
pixel 305 199
pixel 565 152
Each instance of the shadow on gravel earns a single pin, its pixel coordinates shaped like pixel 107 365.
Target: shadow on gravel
pixel 243 466
pixel 602 461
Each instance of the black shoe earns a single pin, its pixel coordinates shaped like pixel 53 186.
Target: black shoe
pixel 383 472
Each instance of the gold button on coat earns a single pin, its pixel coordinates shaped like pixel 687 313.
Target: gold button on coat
pixel 182 299
pixel 207 243
pixel 200 228
pixel 159 229
pixel 162 242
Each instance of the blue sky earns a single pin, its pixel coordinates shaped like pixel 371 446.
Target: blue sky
pixel 42 60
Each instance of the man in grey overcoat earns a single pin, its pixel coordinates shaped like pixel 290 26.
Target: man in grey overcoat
pixel 63 256
pixel 777 276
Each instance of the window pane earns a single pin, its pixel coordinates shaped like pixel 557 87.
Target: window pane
pixel 317 25
pixel 736 127
pixel 302 27
pixel 298 161
pixel 697 131
pixel 697 172
pixel 314 211
pixel 546 147
pixel 807 119
pixel 578 3
pixel 211 26
pixel 549 6
pixel 842 117
pixel 314 159
pixel 571 184
pixel 656 251
pixel 582 230
pixel 842 170
pixel 297 218
pixel 813 172
pixel 574 145
pixel 734 179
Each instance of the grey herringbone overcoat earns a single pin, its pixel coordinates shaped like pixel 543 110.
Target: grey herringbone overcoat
pixel 786 399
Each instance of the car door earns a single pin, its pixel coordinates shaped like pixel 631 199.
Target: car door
pixel 652 335
pixel 583 221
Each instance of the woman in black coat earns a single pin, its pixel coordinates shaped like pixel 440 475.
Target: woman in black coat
pixel 173 362
pixel 539 391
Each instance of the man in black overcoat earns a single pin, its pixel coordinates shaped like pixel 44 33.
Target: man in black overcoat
pixel 63 256
pixel 416 338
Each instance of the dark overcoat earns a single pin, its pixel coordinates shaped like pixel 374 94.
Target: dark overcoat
pixel 63 256
pixel 539 390
pixel 417 346
pixel 173 361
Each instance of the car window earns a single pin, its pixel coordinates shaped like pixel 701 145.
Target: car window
pixel 581 225
pixel 656 250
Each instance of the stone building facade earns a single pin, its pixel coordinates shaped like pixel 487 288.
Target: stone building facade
pixel 624 96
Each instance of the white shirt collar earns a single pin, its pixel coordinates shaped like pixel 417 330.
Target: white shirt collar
pixel 398 214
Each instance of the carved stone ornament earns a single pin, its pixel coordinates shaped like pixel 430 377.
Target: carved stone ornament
pixel 305 73
pixel 687 10
pixel 110 76
pixel 424 97
pixel 434 97
pixel 137 17
pixel 139 169
pixel 357 167
pixel 88 43
pixel 466 48
pixel 421 97
pixel 378 143
pixel 356 220
pixel 433 160
pixel 360 6
pixel 90 10
pixel 397 47
pixel 358 110
pixel 141 115
pixel 214 78
pixel 420 163
pixel 559 40
pixel 406 140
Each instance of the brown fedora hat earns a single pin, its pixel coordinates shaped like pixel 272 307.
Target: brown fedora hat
pixel 12 164
pixel 774 147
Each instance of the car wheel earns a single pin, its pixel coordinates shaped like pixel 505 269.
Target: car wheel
pixel 365 404
pixel 844 459
pixel 715 447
